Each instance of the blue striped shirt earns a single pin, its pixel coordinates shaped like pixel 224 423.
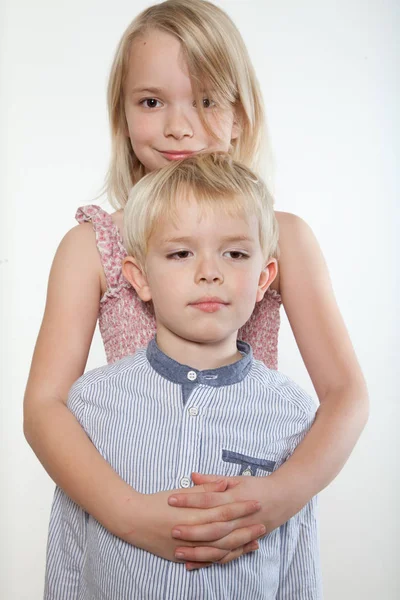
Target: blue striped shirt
pixel 156 421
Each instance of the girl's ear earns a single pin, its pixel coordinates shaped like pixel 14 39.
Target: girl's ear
pixel 134 273
pixel 236 125
pixel 235 129
pixel 267 276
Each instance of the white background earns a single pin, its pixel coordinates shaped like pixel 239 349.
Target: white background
pixel 330 75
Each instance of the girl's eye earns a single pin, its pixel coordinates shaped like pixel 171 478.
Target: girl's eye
pixel 150 103
pixel 180 255
pixel 236 255
pixel 207 103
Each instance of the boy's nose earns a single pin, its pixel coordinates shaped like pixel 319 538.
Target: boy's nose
pixel 178 124
pixel 209 272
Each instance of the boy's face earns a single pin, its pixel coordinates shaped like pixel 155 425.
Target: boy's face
pixel 204 273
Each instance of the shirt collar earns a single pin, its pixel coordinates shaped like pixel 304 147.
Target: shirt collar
pixel 185 375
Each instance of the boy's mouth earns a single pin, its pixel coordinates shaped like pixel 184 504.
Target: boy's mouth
pixel 209 304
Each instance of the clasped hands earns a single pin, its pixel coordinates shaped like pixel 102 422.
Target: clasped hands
pixel 218 520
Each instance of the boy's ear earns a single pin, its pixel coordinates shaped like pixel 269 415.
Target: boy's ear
pixel 134 273
pixel 267 276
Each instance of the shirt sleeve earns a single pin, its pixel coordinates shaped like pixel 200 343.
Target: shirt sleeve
pixel 299 575
pixel 67 539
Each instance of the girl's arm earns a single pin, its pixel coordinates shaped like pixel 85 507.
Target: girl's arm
pixel 55 435
pixel 329 357
pixel 328 354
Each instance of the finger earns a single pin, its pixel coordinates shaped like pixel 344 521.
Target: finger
pixel 223 520
pixel 209 499
pixel 191 566
pixel 199 490
pixel 237 553
pixel 240 537
pixel 200 479
pixel 201 554
pixel 211 486
pixel 251 547
pixel 244 538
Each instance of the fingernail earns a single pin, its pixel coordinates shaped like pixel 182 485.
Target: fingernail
pixel 179 555
pixel 176 533
pixel 263 530
pixel 257 505
pixel 255 546
pixel 173 500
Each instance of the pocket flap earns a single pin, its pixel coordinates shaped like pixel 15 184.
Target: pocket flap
pixel 248 464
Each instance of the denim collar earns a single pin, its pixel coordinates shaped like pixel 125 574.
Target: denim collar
pixel 189 377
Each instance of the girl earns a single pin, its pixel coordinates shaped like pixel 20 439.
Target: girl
pixel 182 83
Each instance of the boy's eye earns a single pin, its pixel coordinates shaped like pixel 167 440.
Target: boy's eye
pixel 150 103
pixel 236 254
pixel 181 254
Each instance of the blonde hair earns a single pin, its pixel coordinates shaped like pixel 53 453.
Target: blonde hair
pixel 213 180
pixel 217 58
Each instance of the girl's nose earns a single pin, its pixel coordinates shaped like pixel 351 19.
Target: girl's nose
pixel 177 124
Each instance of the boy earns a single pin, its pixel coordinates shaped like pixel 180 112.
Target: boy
pixel 202 239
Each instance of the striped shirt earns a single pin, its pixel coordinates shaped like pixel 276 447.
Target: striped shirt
pixel 156 421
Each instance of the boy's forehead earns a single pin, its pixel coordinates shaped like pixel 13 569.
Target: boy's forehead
pixel 189 217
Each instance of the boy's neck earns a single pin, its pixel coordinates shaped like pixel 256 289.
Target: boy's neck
pixel 200 356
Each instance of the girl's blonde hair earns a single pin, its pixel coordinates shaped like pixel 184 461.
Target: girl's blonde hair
pixel 217 58
pixel 212 180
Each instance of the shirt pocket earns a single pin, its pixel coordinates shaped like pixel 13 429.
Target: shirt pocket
pixel 248 465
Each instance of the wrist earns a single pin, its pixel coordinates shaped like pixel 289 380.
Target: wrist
pixel 124 513
pixel 288 492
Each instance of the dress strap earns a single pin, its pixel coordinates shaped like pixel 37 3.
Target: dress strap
pixel 108 241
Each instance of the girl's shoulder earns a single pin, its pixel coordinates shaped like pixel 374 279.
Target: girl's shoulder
pixel 108 236
pixel 293 233
pixel 110 225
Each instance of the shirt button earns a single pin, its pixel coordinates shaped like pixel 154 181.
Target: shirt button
pixel 193 411
pixel 185 482
pixel 192 375
pixel 247 472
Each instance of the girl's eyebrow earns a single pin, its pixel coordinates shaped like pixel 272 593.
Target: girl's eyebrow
pixel 148 90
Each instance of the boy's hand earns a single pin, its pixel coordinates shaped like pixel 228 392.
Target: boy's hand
pixel 238 489
pixel 155 520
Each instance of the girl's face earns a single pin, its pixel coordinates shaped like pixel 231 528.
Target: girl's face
pixel 163 122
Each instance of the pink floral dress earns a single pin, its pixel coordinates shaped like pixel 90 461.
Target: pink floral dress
pixel 126 323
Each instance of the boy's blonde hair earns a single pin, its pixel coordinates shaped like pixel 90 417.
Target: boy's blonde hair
pixel 213 180
pixel 217 59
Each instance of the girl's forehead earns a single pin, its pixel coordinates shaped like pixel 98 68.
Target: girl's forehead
pixel 156 53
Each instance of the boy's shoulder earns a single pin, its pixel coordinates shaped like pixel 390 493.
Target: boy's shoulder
pixel 283 388
pixel 113 371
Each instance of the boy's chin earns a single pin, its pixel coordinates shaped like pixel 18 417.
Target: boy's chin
pixel 209 338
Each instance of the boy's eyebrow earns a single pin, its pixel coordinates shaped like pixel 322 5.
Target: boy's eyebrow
pixel 225 239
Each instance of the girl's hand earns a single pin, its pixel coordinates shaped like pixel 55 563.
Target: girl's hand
pixel 223 536
pixel 274 510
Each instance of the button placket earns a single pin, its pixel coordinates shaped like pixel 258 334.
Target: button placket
pixel 190 443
